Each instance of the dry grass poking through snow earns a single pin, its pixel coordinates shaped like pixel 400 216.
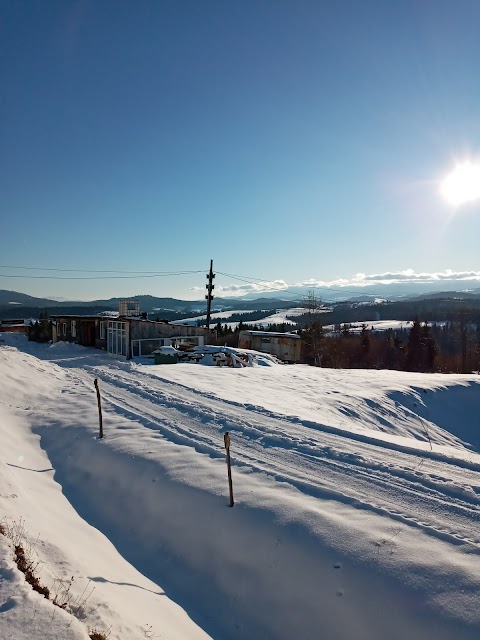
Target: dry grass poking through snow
pixel 98 635
pixel 25 559
pixel 24 555
pixel 27 566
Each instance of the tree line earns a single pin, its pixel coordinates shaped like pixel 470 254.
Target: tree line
pixel 447 347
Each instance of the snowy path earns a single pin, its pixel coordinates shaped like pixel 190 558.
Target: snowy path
pixel 438 497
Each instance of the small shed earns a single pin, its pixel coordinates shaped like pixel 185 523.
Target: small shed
pixel 285 346
pixel 14 326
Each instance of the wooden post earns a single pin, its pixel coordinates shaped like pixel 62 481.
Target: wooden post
pixel 99 402
pixel 226 439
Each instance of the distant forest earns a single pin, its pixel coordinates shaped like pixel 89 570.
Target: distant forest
pixel 453 347
pixel 449 343
pixel 445 336
pixel 428 310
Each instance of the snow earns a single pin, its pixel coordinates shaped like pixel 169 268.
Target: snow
pixel 279 317
pixel 215 317
pixel 123 599
pixel 167 350
pixel 357 498
pixel 377 325
pixel 212 355
pixel 25 614
pixel 357 401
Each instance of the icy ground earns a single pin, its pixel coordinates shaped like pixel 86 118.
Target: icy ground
pixel 357 499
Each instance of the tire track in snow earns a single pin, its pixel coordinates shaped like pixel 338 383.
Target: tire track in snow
pixel 264 426
pixel 432 503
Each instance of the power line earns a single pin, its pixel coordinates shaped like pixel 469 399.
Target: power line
pixel 136 277
pixel 131 275
pixel 238 277
pixel 251 280
pixel 9 266
pixel 254 280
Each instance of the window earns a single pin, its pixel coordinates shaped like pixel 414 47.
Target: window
pixel 117 338
pixel 74 328
pixel 64 328
pixel 102 331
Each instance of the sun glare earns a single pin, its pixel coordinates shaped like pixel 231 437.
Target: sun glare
pixel 462 185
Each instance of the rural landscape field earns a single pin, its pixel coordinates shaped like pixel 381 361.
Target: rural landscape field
pixel 239 320
pixel 357 499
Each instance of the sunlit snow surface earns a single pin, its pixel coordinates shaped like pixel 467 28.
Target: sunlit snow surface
pixel 357 497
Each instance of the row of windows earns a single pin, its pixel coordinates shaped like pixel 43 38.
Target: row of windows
pixel 62 329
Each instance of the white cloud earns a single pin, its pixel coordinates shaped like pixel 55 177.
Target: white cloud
pixel 358 280
pixel 255 287
pixel 396 277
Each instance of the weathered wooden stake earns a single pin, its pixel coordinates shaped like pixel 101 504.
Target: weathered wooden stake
pixel 226 439
pixel 99 402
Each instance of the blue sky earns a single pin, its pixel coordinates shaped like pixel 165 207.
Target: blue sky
pixel 287 140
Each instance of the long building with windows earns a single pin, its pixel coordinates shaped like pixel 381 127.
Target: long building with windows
pixel 125 336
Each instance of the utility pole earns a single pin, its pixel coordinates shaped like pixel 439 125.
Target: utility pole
pixel 209 297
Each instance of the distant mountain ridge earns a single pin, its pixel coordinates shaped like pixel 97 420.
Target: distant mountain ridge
pixel 395 290
pixel 16 298
pixel 14 304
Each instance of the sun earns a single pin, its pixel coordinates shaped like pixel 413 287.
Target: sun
pixel 462 184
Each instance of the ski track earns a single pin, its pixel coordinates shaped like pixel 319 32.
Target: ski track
pixel 439 497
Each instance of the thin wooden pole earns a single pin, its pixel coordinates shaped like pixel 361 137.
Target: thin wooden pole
pixel 226 439
pixel 99 402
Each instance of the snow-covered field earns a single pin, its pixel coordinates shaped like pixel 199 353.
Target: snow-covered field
pixel 375 325
pixel 357 499
pixel 378 325
pixel 279 317
pixel 215 317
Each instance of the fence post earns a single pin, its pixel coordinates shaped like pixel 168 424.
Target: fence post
pixel 226 439
pixel 99 402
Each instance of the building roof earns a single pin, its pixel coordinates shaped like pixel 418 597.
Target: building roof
pixel 78 317
pixel 272 334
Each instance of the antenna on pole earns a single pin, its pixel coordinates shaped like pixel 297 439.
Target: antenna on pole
pixel 209 297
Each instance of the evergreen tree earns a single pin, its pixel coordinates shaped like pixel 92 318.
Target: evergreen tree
pixel 414 347
pixel 429 349
pixel 313 334
pixel 365 348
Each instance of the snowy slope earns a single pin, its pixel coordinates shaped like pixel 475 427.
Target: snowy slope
pixel 215 317
pixel 122 598
pixel 375 325
pixel 279 317
pixel 357 494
